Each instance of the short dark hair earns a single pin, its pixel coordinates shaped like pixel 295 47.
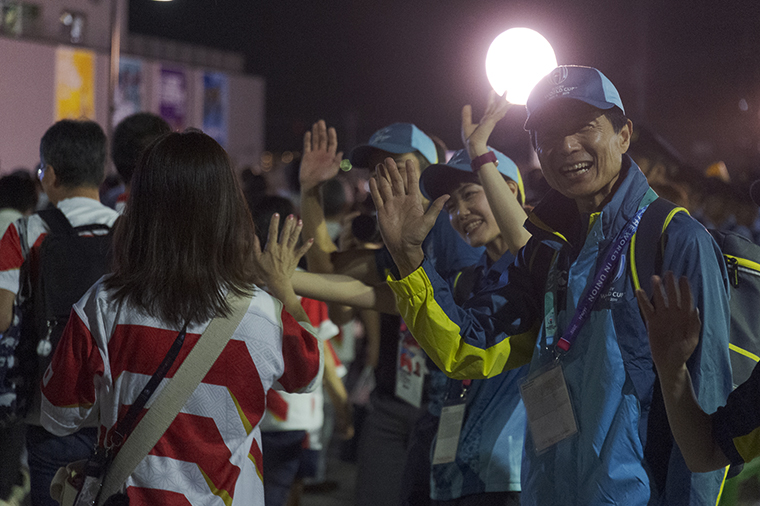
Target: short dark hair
pixel 76 149
pixel 130 138
pixel 617 118
pixel 186 236
pixel 18 191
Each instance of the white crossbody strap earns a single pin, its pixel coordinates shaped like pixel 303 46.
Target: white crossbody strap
pixel 171 399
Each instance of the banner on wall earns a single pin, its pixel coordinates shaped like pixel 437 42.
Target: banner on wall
pixel 128 95
pixel 74 83
pixel 173 97
pixel 215 106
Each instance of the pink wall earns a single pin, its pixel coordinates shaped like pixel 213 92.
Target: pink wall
pixel 27 102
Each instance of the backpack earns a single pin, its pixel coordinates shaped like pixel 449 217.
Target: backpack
pixel 52 279
pixel 742 258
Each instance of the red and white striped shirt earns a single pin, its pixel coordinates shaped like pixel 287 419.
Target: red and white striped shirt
pixel 78 210
pixel 211 453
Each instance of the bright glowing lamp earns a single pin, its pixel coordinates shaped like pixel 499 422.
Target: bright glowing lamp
pixel 516 61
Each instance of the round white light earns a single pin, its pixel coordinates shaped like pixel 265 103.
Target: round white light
pixel 516 61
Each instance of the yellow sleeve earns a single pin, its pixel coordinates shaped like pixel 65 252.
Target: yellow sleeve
pixel 472 343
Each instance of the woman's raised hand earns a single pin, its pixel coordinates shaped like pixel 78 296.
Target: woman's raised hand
pixel 475 135
pixel 279 259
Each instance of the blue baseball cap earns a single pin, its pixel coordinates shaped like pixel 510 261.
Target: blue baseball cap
pixel 397 138
pixel 443 178
pixel 572 82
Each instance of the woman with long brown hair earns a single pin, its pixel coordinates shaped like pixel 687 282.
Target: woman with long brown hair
pixel 184 246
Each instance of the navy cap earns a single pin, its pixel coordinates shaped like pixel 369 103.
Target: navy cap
pixel 443 178
pixel 397 138
pixel 575 82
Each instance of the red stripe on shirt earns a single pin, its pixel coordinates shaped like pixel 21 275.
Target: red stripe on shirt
pixel 301 353
pixel 75 363
pixel 140 349
pixel 139 496
pixel 236 370
pixel 316 310
pixel 10 246
pixel 276 405
pixel 196 439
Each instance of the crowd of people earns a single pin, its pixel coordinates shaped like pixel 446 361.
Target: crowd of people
pixel 478 334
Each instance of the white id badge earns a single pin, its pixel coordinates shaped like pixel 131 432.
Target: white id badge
pixel 547 403
pixel 410 371
pixel 449 428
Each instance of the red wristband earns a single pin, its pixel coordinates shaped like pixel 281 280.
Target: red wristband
pixel 481 160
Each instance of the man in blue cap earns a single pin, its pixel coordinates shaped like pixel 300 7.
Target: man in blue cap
pixel 597 427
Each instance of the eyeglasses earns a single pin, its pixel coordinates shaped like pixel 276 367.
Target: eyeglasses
pixel 41 171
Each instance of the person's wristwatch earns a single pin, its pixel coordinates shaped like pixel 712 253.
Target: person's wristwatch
pixel 481 160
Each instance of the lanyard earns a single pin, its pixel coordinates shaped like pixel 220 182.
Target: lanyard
pixel 603 275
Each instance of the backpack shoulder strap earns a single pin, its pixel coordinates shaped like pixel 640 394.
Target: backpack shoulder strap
pixel 59 224
pixel 56 221
pixel 464 284
pixel 645 257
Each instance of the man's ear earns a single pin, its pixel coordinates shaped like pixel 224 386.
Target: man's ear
pixel 53 177
pixel 624 137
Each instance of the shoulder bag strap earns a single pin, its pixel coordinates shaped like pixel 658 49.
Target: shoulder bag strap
pixel 171 399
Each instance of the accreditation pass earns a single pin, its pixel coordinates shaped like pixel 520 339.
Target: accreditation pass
pixel 547 403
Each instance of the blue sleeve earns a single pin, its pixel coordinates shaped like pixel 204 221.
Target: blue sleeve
pixel 691 251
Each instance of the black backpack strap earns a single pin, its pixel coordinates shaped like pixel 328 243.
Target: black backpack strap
pixel 56 221
pixel 465 283
pixel 59 224
pixel 647 246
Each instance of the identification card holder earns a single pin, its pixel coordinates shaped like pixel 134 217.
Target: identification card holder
pixel 449 430
pixel 547 403
pixel 410 370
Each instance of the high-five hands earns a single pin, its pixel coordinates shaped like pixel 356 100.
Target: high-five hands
pixel 279 259
pixel 475 135
pixel 404 223
pixel 320 160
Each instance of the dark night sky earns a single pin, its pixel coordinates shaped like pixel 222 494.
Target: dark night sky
pixel 681 66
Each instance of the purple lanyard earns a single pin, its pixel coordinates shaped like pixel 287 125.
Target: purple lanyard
pixel 614 252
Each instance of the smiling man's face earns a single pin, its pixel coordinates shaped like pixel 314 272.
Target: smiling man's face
pixel 580 152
